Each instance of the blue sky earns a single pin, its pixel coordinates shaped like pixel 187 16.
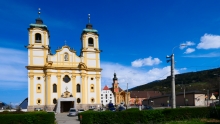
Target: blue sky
pixel 135 37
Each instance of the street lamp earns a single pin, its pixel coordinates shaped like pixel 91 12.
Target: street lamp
pixel 173 76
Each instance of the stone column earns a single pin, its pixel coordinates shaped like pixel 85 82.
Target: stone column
pixel 83 90
pixel 98 94
pixel 58 86
pixel 48 89
pixel 74 86
pixel 31 90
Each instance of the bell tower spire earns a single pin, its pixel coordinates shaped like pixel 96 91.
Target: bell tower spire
pixel 90 45
pixel 115 84
pixel 38 42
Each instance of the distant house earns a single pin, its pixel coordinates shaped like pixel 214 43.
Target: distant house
pixel 24 104
pixel 2 105
pixel 136 97
pixel 107 96
pixel 192 98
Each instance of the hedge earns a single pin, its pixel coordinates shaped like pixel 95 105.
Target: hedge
pixel 27 118
pixel 148 116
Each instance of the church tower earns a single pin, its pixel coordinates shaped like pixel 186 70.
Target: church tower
pixel 90 46
pixel 38 43
pixel 115 84
pixel 38 49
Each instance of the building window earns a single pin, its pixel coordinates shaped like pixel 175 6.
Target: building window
pixel 106 96
pixel 66 79
pixel 38 78
pixel 92 100
pixel 66 57
pixel 78 88
pixel 78 100
pixel 91 78
pixel 54 101
pixel 90 42
pixel 38 101
pixel 101 97
pixel 106 100
pixel 110 101
pixel 54 88
pixel 110 94
pixel 110 97
pixel 92 88
pixel 37 38
pixel 38 88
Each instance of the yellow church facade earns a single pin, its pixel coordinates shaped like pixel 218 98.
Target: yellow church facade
pixel 57 82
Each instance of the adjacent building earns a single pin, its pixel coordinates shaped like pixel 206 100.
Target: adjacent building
pixel 136 97
pixel 63 80
pixel 120 95
pixel 191 98
pixel 107 96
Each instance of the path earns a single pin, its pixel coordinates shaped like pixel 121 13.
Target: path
pixel 62 118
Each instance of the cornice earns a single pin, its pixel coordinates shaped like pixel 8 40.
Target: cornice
pixel 62 68
pixel 31 46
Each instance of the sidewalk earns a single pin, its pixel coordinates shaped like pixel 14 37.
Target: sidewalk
pixel 62 118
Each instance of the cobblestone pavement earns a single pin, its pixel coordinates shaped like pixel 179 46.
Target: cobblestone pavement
pixel 62 118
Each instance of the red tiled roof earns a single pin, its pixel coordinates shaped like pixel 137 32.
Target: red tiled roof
pixel 106 88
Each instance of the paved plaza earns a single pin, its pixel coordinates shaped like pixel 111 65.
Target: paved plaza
pixel 62 118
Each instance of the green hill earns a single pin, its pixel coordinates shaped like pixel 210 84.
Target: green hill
pixel 193 81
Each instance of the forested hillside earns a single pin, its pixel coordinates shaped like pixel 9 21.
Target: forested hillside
pixel 193 81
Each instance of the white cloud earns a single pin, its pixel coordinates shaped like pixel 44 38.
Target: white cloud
pixel 209 55
pixel 13 74
pixel 146 62
pixel 183 69
pixel 189 50
pixel 209 41
pixel 186 44
pixel 132 76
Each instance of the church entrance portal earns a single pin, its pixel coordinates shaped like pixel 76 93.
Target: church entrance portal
pixel 66 105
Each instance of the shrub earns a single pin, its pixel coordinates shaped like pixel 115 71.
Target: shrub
pixel 132 116
pixel 27 118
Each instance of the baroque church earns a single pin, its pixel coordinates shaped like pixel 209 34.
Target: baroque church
pixel 120 96
pixel 60 81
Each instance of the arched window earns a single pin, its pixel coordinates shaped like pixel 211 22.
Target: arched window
pixel 54 88
pixel 92 88
pixel 78 88
pixel 90 42
pixel 78 100
pixel 66 57
pixel 54 101
pixel 92 100
pixel 38 88
pixel 37 38
pixel 38 101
